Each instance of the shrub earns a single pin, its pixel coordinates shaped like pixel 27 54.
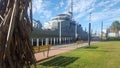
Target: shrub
pixel 113 39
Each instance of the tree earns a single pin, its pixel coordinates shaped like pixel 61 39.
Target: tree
pixel 15 27
pixel 115 27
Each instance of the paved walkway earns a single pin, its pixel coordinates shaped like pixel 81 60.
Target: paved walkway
pixel 58 49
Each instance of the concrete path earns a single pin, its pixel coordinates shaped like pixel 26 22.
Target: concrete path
pixel 58 49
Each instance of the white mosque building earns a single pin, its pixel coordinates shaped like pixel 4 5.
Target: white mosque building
pixel 69 28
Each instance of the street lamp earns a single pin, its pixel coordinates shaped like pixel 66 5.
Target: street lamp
pixel 101 30
pixel 59 22
pixel 76 31
pixel 60 32
pixel 89 34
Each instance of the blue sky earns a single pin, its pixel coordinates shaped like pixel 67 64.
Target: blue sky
pixel 102 10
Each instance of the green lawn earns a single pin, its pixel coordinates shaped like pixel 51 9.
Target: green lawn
pixel 99 55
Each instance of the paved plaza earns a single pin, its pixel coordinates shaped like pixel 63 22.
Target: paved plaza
pixel 58 49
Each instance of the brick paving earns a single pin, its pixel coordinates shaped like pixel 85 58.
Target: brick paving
pixel 58 49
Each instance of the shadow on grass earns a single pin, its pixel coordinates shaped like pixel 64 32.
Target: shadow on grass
pixel 60 61
pixel 91 47
pixel 100 50
pixel 94 48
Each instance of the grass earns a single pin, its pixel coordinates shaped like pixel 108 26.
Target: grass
pixel 99 55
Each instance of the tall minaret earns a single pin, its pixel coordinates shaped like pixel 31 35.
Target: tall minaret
pixel 71 10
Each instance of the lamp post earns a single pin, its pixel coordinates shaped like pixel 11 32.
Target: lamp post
pixel 101 30
pixel 89 34
pixel 76 31
pixel 60 32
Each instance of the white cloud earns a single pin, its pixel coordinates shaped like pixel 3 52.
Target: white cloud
pixel 39 6
pixel 116 18
pixel 61 4
pixel 56 8
pixel 97 17
pixel 83 7
pixel 110 4
pixel 47 14
pixel 104 9
pixel 102 3
pixel 108 15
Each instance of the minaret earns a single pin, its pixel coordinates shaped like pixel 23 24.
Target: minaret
pixel 71 10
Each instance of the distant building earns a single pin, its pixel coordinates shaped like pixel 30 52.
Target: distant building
pixel 104 33
pixel 113 34
pixel 68 26
pixel 118 34
pixel 65 20
pixel 48 25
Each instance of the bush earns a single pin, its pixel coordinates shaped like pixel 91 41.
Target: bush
pixel 113 39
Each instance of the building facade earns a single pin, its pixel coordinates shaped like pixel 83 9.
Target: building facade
pixel 69 28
